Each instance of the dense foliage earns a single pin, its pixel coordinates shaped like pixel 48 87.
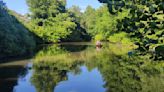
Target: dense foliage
pixel 14 37
pixel 145 20
pixel 51 21
pixel 100 23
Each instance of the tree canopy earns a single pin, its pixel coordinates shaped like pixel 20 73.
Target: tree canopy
pixel 145 20
pixel 15 40
pixel 51 21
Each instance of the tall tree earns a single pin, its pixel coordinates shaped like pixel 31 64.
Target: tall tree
pixel 46 8
pixel 50 20
pixel 100 23
pixel 77 12
pixel 88 19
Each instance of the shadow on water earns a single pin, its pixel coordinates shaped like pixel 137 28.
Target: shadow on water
pixel 82 68
pixel 9 75
pixel 26 56
pixel 74 48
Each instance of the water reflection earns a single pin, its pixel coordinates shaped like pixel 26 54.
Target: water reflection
pixel 62 68
pixel 136 75
pixel 86 81
pixel 9 74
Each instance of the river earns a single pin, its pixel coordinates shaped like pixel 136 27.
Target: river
pixel 81 67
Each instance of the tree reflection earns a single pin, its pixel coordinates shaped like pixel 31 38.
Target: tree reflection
pixel 120 73
pixel 123 74
pixel 49 72
pixel 46 76
pixel 46 79
pixel 9 75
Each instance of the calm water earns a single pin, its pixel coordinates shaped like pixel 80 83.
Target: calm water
pixel 82 68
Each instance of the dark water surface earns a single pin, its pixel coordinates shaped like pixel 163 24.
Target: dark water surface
pixel 82 68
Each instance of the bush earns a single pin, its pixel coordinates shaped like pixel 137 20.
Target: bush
pixel 99 37
pixel 121 37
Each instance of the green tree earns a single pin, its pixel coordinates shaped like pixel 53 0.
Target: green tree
pixel 100 22
pixel 77 12
pixel 43 9
pixel 15 39
pixel 88 19
pixel 53 23
pixel 49 19
pixel 105 22
pixel 145 20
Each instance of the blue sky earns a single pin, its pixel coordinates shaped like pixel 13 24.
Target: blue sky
pixel 21 7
